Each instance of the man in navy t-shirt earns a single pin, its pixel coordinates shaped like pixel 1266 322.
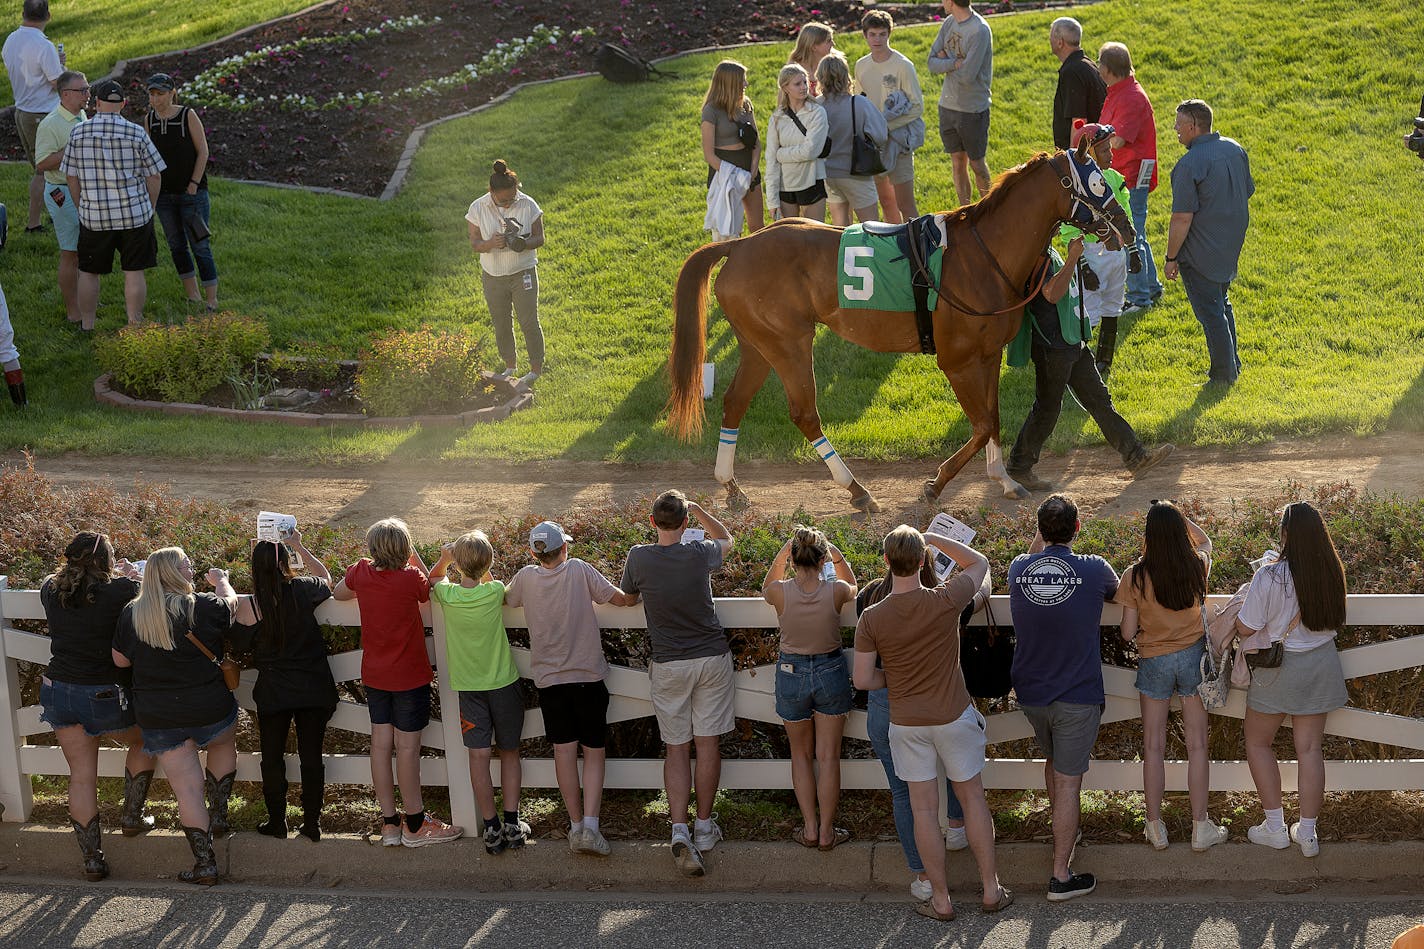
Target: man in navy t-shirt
pixel 1056 598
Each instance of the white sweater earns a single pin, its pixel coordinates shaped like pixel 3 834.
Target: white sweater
pixel 791 157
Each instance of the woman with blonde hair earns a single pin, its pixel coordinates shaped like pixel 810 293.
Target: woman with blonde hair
pixel 729 134
pixel 173 639
pixel 795 145
pixel 813 690
pixel 813 43
pixel 84 696
pixel 847 116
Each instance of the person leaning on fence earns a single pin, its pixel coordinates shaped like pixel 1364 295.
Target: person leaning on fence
pixel 483 674
pixel 295 687
pixel 877 726
pixel 388 588
pixel 1162 596
pixel 507 230
pixel 847 116
pixel 84 697
pixel 180 699
pixel 914 632
pixel 691 680
pixel 813 691
pixel 1299 601
pixel 568 667
pixel 1056 599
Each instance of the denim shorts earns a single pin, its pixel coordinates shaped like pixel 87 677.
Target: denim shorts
pixel 1177 673
pixel 408 710
pixel 807 684
pixel 99 709
pixel 158 740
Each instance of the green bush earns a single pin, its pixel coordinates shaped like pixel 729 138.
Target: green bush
pixel 420 372
pixel 179 363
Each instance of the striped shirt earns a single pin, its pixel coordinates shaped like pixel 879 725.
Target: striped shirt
pixel 112 158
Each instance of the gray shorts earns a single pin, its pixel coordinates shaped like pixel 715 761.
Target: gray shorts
pixel 964 132
pixel 1305 683
pixel 496 715
pixel 1066 731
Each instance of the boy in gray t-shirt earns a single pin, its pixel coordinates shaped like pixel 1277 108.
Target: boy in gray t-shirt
pixel 690 674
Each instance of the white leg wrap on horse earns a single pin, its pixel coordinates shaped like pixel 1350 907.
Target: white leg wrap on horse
pixel 840 474
pixel 994 460
pixel 726 454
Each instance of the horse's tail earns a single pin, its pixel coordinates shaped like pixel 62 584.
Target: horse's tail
pixel 689 340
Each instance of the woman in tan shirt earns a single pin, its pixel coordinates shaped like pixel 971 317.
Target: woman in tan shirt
pixel 1162 597
pixel 813 690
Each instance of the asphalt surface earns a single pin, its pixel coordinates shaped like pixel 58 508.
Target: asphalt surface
pixel 48 913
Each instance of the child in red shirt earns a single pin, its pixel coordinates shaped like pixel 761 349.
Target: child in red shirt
pixel 389 587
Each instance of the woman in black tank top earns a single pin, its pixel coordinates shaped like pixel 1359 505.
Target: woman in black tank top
pixel 183 207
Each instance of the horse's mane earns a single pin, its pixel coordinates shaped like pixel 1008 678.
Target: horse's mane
pixel 997 191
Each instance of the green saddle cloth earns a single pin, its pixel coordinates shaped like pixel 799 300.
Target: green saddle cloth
pixel 874 273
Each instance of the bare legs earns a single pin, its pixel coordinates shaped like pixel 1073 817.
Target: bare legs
pixel 588 801
pixel 962 165
pixel 816 212
pixel 81 753
pixel 840 213
pixel 1307 731
pixel 678 777
pixel 510 775
pixel 384 740
pixel 69 284
pixel 979 825
pixel 185 776
pixel 1063 792
pixel 816 744
pixel 135 295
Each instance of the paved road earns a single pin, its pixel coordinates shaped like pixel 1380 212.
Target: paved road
pixel 46 913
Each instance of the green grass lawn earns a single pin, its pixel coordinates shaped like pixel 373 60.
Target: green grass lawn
pixel 98 35
pixel 1327 302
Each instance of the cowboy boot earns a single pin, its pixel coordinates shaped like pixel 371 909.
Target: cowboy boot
pixel 15 382
pixel 274 792
pixel 205 864
pixel 313 791
pixel 95 866
pixel 219 790
pixel 133 821
pixel 1107 344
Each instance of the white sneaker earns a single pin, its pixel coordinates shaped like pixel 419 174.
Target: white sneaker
pixel 956 838
pixel 685 855
pixel 1309 846
pixel 390 835
pixel 705 840
pixel 1156 834
pixel 526 380
pixel 1277 839
pixel 920 890
pixel 1206 835
pixel 592 842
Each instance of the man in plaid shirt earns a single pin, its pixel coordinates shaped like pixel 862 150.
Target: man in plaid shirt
pixel 113 171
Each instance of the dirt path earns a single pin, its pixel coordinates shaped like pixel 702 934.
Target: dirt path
pixel 438 500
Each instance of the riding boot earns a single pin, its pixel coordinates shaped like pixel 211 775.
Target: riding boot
pixel 313 791
pixel 133 820
pixel 15 382
pixel 205 864
pixel 274 792
pixel 219 790
pixel 1107 343
pixel 95 866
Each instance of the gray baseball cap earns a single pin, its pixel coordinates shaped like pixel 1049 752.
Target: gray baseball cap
pixel 547 537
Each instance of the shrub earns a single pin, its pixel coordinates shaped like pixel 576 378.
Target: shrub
pixel 419 372
pixel 180 363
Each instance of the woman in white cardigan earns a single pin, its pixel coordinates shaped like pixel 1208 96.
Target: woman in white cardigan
pixel 795 145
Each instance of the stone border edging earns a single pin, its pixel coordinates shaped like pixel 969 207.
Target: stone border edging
pixel 105 394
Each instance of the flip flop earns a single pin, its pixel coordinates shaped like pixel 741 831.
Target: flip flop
pixel 800 839
pixel 1006 899
pixel 839 835
pixel 927 910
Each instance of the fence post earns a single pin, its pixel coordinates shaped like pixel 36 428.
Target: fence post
pixel 15 792
pixel 463 812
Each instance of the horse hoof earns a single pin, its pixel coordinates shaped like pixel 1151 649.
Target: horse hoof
pixel 737 499
pixel 930 493
pixel 1017 493
pixel 866 504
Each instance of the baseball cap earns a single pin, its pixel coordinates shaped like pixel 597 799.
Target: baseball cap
pixel 161 81
pixel 547 537
pixel 109 90
pixel 1095 132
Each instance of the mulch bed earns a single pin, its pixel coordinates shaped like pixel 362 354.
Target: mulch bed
pixel 357 149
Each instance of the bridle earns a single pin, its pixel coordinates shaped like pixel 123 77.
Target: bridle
pixel 1084 201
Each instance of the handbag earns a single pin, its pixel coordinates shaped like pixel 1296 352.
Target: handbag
pixel 1215 683
pixel 1270 657
pixel 986 655
pixel 865 160
pixel 825 149
pixel 231 671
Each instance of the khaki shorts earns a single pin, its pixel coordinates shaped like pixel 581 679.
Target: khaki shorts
pixel 903 171
pixel 916 750
pixel 693 697
pixel 27 124
pixel 856 192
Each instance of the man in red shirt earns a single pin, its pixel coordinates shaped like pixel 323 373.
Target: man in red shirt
pixel 1129 112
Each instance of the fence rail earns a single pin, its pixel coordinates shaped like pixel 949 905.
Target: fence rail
pixel 755 700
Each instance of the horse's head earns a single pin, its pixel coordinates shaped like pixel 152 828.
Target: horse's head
pixel 1090 202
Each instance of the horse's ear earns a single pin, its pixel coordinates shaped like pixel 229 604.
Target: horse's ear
pixel 1081 152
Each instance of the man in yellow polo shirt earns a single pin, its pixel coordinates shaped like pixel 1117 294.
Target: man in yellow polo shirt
pixel 50 141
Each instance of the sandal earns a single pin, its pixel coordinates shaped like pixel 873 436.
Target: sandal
pixel 801 839
pixel 1006 899
pixel 927 910
pixel 839 835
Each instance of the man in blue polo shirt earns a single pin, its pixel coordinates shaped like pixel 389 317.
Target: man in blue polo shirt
pixel 1211 191
pixel 1056 598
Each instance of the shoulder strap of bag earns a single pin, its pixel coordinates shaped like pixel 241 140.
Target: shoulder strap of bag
pixel 196 641
pixel 794 119
pixel 853 132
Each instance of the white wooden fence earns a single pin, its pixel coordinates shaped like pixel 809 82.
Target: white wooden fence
pixel 755 699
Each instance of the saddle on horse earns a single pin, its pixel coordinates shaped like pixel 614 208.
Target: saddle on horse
pixel 917 246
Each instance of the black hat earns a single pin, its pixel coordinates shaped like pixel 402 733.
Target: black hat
pixel 109 90
pixel 161 80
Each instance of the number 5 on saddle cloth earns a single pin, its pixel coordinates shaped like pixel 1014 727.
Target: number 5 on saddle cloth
pixel 894 267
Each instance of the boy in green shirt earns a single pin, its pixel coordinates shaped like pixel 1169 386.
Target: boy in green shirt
pixel 483 673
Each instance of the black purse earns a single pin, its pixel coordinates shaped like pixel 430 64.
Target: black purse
pixel 865 160
pixel 1271 656
pixel 986 655
pixel 825 150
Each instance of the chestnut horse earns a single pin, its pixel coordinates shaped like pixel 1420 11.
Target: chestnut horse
pixel 779 282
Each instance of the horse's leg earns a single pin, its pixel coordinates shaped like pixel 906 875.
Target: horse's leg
pixel 751 374
pixel 799 378
pixel 994 452
pixel 976 387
